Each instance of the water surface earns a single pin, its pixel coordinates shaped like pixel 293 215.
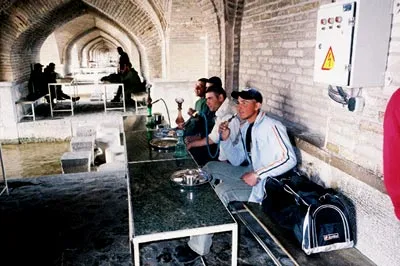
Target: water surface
pixel 33 159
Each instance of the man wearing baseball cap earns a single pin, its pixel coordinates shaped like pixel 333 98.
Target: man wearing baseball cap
pixel 264 146
pixel 263 150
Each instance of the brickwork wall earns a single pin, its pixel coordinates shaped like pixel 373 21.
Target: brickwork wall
pixel 187 38
pixel 277 56
pixel 212 11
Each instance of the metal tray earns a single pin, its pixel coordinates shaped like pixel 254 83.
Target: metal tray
pixel 164 143
pixel 198 176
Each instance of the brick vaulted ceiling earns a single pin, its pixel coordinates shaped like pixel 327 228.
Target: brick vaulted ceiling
pixel 27 23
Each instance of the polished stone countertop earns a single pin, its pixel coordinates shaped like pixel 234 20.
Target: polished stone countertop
pixel 138 148
pixel 134 122
pixel 160 205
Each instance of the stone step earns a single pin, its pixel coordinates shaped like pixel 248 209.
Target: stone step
pixel 115 153
pixel 76 162
pixel 112 167
pixel 84 143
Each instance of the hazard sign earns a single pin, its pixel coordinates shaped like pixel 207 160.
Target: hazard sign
pixel 329 61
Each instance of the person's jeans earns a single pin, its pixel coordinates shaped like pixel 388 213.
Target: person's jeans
pixel 230 188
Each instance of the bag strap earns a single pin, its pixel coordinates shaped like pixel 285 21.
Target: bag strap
pixel 289 190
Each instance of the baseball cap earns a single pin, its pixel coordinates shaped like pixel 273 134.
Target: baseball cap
pixel 248 94
pixel 37 65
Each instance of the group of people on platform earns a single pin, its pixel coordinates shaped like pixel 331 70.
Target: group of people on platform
pixel 127 75
pixel 39 81
pixel 242 149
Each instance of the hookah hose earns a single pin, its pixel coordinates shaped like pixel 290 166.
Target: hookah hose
pixel 213 156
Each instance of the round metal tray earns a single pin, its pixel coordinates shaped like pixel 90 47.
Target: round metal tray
pixel 198 177
pixel 166 143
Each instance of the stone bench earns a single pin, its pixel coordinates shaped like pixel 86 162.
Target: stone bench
pixel 75 162
pixel 85 143
pixel 115 154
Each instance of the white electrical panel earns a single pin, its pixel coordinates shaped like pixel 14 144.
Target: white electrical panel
pixel 352 43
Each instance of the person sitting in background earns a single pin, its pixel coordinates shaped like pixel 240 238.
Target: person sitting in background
pixel 217 102
pixel 51 76
pixel 132 84
pixel 214 81
pixel 195 126
pixel 37 85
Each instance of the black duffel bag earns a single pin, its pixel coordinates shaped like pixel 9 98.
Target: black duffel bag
pixel 317 216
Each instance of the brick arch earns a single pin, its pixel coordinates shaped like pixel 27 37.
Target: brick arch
pixel 88 46
pixel 28 23
pixel 101 44
pixel 139 17
pixel 84 37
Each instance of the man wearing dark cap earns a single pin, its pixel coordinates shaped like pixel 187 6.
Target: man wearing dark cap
pixel 264 146
pixel 263 150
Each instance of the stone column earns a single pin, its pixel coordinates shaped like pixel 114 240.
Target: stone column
pixel 8 117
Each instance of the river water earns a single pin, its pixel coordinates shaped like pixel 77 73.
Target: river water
pixel 33 159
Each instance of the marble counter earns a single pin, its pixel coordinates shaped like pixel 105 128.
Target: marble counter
pixel 159 205
pixel 138 148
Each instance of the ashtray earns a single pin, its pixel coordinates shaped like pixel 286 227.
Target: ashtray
pixel 190 177
pixel 164 143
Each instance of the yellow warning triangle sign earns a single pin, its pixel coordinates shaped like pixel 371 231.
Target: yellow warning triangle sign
pixel 329 61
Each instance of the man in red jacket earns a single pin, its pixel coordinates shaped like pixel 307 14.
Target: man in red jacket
pixel 391 150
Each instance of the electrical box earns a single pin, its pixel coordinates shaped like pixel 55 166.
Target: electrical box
pixel 352 43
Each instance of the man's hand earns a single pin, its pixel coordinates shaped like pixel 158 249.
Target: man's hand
pixel 224 130
pixel 250 178
pixel 191 111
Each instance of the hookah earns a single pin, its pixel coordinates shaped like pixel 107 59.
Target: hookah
pixel 180 149
pixel 149 121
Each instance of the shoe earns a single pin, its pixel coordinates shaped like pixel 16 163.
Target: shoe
pixel 74 99
pixel 185 254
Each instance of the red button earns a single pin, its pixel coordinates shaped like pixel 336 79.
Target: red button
pixel 338 19
pixel 331 20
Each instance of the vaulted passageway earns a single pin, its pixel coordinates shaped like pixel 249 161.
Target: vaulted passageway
pixel 27 24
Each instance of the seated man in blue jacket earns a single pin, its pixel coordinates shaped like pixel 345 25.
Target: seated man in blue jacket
pixel 262 150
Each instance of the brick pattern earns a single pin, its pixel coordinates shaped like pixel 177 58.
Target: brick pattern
pixel 277 56
pixel 187 54
pixel 212 12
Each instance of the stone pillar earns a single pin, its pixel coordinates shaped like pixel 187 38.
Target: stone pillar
pixel 8 117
